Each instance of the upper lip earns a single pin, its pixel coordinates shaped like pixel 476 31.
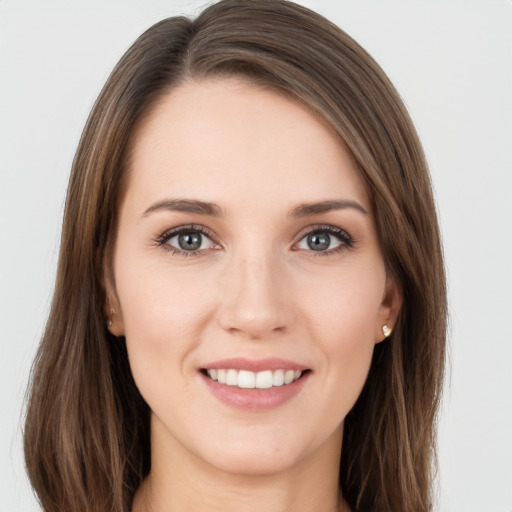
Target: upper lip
pixel 254 365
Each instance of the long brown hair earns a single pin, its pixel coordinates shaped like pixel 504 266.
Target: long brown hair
pixel 87 427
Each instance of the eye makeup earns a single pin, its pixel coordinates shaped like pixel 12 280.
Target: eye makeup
pixel 318 240
pixel 196 240
pixel 187 235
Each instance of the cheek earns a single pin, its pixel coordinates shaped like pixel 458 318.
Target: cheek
pixel 342 321
pixel 163 313
pixel 347 303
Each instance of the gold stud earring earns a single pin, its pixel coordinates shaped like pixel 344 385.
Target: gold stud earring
pixel 109 321
pixel 386 330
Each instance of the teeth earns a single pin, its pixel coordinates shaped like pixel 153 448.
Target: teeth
pixel 248 380
pixel 264 379
pixel 278 378
pixel 288 376
pixel 232 378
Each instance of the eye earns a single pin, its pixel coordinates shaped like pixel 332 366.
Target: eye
pixel 327 239
pixel 187 240
pixel 190 241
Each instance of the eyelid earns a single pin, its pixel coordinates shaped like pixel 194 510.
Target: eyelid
pixel 169 233
pixel 162 239
pixel 347 240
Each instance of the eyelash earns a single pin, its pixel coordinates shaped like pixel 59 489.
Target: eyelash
pixel 347 241
pixel 167 235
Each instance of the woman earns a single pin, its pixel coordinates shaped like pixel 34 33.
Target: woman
pixel 250 303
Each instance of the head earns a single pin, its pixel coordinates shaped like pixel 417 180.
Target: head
pixel 95 439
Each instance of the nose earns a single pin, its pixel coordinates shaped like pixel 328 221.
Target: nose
pixel 255 301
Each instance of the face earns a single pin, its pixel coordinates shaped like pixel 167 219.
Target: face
pixel 249 281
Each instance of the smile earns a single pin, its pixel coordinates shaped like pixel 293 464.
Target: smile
pixel 246 379
pixel 255 384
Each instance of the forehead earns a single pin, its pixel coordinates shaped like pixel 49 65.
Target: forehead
pixel 225 138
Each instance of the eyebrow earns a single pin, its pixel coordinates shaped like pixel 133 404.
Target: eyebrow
pixel 214 210
pixel 309 209
pixel 185 206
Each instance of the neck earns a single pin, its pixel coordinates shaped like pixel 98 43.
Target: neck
pixel 181 481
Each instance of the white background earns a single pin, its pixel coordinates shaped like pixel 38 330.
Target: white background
pixel 451 61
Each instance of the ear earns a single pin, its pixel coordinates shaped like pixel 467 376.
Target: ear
pixel 389 309
pixel 111 307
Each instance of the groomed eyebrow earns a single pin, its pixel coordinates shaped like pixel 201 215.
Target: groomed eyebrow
pixel 214 210
pixel 185 206
pixel 308 209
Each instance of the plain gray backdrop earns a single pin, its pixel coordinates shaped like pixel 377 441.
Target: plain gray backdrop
pixel 451 62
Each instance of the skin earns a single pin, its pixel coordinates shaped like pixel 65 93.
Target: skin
pixel 256 289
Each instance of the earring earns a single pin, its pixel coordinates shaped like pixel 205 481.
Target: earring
pixel 386 330
pixel 109 321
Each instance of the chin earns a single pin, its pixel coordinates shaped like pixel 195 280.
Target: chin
pixel 252 464
pixel 264 452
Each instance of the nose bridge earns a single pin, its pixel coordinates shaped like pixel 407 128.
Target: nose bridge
pixel 255 302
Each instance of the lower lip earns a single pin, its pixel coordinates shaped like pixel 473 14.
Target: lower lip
pixel 255 399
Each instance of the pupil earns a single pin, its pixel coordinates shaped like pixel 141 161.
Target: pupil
pixel 189 241
pixel 319 242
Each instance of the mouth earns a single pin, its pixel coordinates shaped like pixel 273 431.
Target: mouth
pixel 255 384
pixel 246 379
